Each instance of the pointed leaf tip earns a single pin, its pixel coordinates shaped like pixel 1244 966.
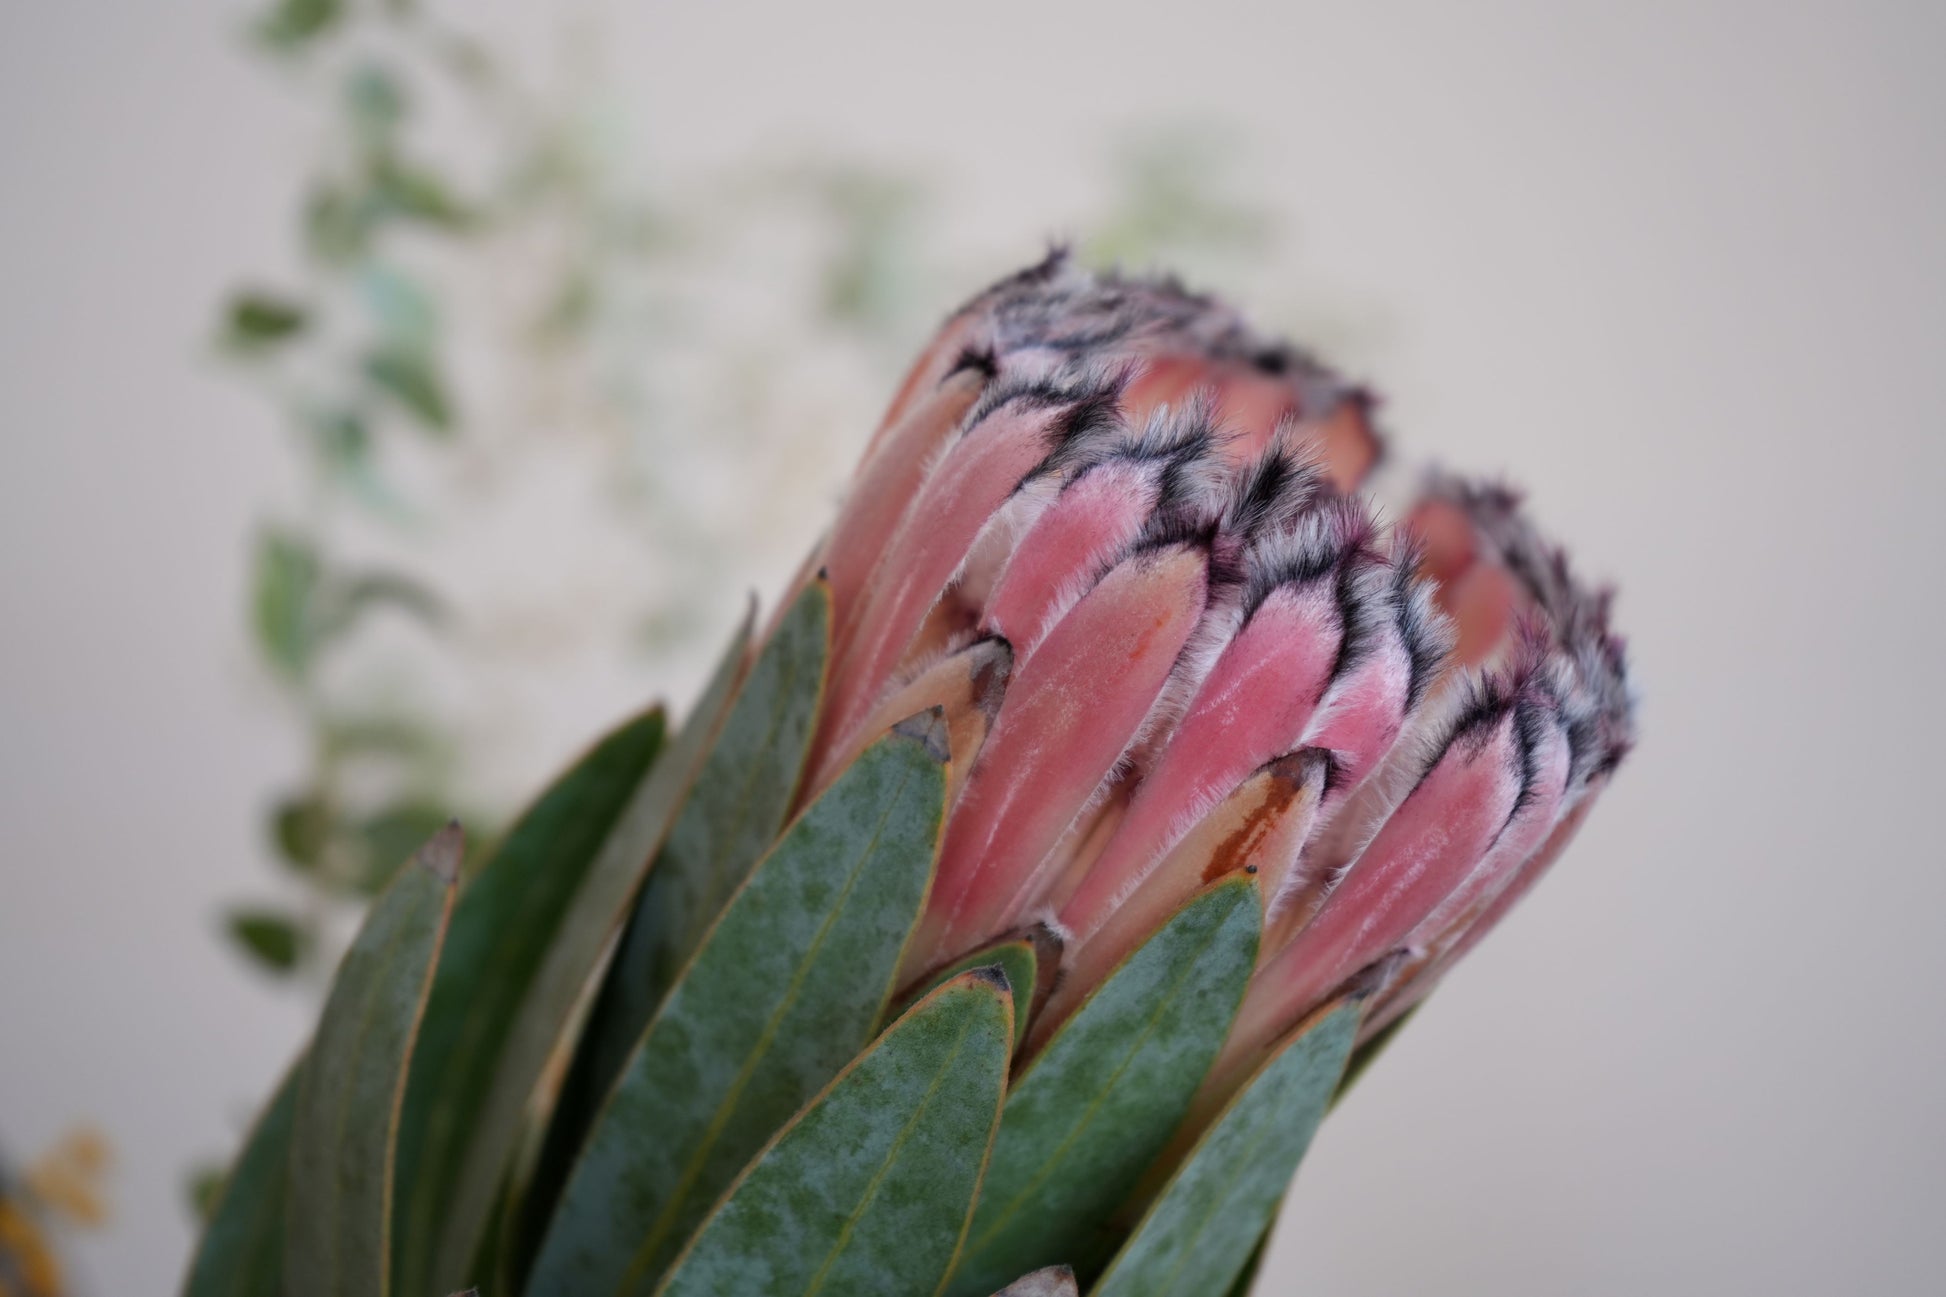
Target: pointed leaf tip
pixel 1375 977
pixel 990 683
pixel 443 852
pixel 929 729
pixel 996 977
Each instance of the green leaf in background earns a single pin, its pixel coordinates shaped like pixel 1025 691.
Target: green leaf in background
pixel 1018 958
pixel 731 818
pixel 351 1087
pixel 350 598
pixel 479 1092
pixel 411 379
pixel 204 1186
pixel 292 24
pixel 376 105
pixel 242 1249
pixel 785 990
pixel 868 1190
pixel 1054 1281
pixel 300 825
pixel 338 223
pixel 254 321
pixel 498 940
pixel 1199 1233
pixel 1099 1103
pixel 276 940
pixel 415 192
pixel 402 307
pixel 284 600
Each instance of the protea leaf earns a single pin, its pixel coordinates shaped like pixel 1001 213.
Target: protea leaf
pixel 351 1085
pixel 786 988
pixel 1027 960
pixel 1097 1105
pixel 491 1020
pixel 736 805
pixel 242 1252
pixel 1200 1231
pixel 869 1189
pixel 527 935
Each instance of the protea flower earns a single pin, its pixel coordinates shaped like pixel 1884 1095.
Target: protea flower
pixel 1110 775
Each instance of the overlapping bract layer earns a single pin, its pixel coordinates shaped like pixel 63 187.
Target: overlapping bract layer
pixel 1116 535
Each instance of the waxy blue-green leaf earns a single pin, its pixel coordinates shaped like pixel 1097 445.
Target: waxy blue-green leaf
pixel 739 800
pixel 242 1250
pixel 503 929
pixel 1199 1233
pixel 1022 959
pixel 869 1189
pixel 1098 1105
pixel 786 988
pixel 351 1085
pixel 731 818
pixel 589 838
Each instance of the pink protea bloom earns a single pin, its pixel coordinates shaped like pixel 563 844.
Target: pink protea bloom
pixel 1118 537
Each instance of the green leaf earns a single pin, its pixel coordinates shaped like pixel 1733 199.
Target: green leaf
pixel 349 598
pixel 502 929
pixel 1201 1230
pixel 301 826
pixel 785 990
pixel 338 223
pixel 351 1087
pixel 242 1250
pixel 469 1093
pixel 283 604
pixel 415 192
pixel 1017 958
pixel 1099 1103
pixel 403 308
pixel 255 320
pixel 731 818
pixel 273 939
pixel 409 377
pixel 390 834
pixel 292 24
pixel 204 1186
pixel 376 104
pixel 868 1190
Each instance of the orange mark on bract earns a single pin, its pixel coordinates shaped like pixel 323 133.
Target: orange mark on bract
pixel 1259 822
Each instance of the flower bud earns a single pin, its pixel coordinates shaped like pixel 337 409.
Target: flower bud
pixel 1114 535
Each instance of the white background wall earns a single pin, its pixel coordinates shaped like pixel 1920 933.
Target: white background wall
pixel 1678 267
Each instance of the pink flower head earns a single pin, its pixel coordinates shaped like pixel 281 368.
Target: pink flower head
pixel 1116 535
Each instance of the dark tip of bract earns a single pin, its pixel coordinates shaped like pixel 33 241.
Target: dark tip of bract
pixel 443 851
pixel 928 729
pixel 1372 979
pixel 990 683
pixel 977 360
